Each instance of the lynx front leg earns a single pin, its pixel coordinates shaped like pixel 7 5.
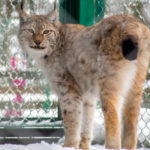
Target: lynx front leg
pixel 109 99
pixel 87 122
pixel 71 112
pixel 71 109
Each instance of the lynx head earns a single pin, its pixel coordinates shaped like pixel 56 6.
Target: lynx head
pixel 38 34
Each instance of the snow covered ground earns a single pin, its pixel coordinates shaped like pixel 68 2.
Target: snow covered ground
pixel 42 146
pixel 45 146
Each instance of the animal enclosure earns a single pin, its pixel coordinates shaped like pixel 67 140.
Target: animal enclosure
pixel 26 100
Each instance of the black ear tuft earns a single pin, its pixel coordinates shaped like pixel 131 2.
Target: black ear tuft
pixel 23 16
pixel 129 49
pixel 22 4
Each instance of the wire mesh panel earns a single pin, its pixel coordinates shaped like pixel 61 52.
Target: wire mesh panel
pixel 25 98
pixel 99 9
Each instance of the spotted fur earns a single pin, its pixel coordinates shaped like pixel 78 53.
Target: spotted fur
pixel 108 60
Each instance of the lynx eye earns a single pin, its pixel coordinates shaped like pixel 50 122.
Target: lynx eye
pixel 31 31
pixel 46 31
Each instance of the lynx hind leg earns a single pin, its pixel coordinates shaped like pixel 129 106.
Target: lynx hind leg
pixel 131 109
pixel 134 96
pixel 87 121
pixel 130 117
pixel 109 98
pixel 71 109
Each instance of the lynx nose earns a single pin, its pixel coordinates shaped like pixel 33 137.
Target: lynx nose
pixel 37 42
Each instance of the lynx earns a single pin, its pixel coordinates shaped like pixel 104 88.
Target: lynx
pixel 106 61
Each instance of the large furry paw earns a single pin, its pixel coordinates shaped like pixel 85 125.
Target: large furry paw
pixel 85 144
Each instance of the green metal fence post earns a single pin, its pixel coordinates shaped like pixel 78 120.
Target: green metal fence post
pixel 69 11
pixel 85 12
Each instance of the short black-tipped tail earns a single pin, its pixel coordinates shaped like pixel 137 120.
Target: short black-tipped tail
pixel 129 49
pixel 22 4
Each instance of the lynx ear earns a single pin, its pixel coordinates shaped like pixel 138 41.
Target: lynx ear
pixel 53 17
pixel 23 16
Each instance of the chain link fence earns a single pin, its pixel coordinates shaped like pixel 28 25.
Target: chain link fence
pixel 25 98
